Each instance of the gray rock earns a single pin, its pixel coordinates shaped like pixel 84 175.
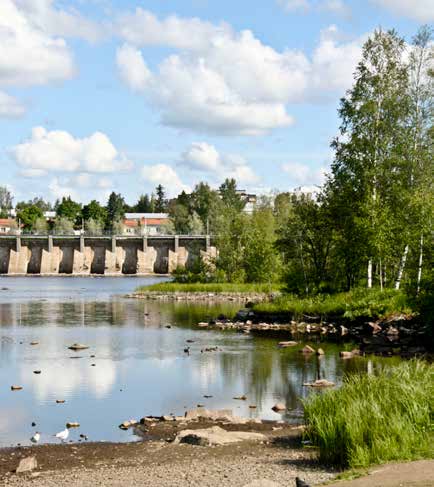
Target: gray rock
pixel 216 436
pixel 27 465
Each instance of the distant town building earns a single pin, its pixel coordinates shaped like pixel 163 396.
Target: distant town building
pixel 249 200
pixel 8 226
pixel 145 223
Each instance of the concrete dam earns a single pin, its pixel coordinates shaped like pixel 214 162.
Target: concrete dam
pixel 110 256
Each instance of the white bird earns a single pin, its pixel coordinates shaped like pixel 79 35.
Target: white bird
pixel 62 435
pixel 36 437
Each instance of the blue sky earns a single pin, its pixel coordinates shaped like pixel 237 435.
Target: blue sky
pixel 103 95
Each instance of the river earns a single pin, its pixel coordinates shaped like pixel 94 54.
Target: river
pixel 136 364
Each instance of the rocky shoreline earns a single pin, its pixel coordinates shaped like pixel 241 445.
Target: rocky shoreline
pixel 396 335
pixel 212 448
pixel 203 296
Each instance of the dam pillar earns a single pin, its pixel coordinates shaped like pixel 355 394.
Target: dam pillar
pixel 82 259
pixel 210 253
pixel 19 258
pixel 114 259
pixel 50 259
pixel 146 257
pixel 178 257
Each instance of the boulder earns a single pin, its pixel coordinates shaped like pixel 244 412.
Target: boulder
pixel 320 351
pixel 307 349
pixel 216 436
pixel 279 407
pixel 286 344
pixel 345 354
pixel 202 324
pixel 27 465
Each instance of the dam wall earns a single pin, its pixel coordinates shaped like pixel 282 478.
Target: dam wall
pixel 110 256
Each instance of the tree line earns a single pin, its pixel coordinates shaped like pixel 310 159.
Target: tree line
pixel 369 225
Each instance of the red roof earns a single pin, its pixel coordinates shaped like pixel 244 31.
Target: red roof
pixel 7 222
pixel 145 221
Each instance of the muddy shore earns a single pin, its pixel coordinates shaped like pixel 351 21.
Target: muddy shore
pixel 161 462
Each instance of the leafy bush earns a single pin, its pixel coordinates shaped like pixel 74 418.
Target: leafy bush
pixel 224 287
pixel 375 418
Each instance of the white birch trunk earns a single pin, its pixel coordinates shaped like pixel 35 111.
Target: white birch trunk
pixel 370 274
pixel 419 268
pixel 381 276
pixel 401 268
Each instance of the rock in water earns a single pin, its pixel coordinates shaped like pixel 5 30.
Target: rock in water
pixel 27 465
pixel 286 344
pixel 320 351
pixel 279 407
pixel 300 483
pixel 78 346
pixel 16 388
pixel 307 349
pixel 346 354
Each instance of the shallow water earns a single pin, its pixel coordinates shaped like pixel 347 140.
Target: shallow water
pixel 139 366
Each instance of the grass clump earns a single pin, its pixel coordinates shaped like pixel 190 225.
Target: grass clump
pixel 373 419
pixel 198 287
pixel 350 305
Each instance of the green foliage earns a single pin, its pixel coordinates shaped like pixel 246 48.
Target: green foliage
pixel 94 211
pixel 230 196
pixel 29 215
pixel 69 209
pixel 6 200
pixel 224 287
pixel 161 201
pixel 63 226
pixel 144 205
pixel 373 419
pixel 115 209
pixel 94 227
pixel 357 303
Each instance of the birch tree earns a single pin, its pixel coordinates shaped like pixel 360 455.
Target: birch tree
pixel 373 114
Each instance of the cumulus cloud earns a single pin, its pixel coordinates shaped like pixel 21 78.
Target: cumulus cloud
pixel 227 82
pixel 338 7
pixel 420 10
pixel 304 175
pixel 10 107
pixel 205 158
pixel 59 151
pixel 43 15
pixel 28 56
pixel 132 68
pixel 165 175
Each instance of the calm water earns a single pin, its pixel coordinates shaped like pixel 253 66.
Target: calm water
pixel 140 365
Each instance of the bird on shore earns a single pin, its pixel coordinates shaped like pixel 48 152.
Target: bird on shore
pixel 63 435
pixel 187 350
pixel 36 437
pixel 300 483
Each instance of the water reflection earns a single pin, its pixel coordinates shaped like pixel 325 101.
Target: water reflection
pixel 135 364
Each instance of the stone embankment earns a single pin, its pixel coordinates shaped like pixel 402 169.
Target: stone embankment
pixel 203 296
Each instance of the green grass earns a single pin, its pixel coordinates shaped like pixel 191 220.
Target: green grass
pixel 374 419
pixel 174 287
pixel 351 305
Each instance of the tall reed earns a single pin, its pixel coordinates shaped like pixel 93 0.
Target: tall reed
pixel 375 418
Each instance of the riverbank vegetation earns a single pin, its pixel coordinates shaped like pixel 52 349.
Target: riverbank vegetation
pixel 374 419
pixel 212 287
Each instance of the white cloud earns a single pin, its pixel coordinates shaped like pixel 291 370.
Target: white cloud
pixel 10 107
pixel 132 68
pixel 338 7
pixel 231 83
pixel 303 174
pixel 143 28
pixel 59 151
pixel 59 189
pixel 205 158
pixel 28 56
pixel 295 5
pixel 420 10
pixel 166 176
pixel 56 22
